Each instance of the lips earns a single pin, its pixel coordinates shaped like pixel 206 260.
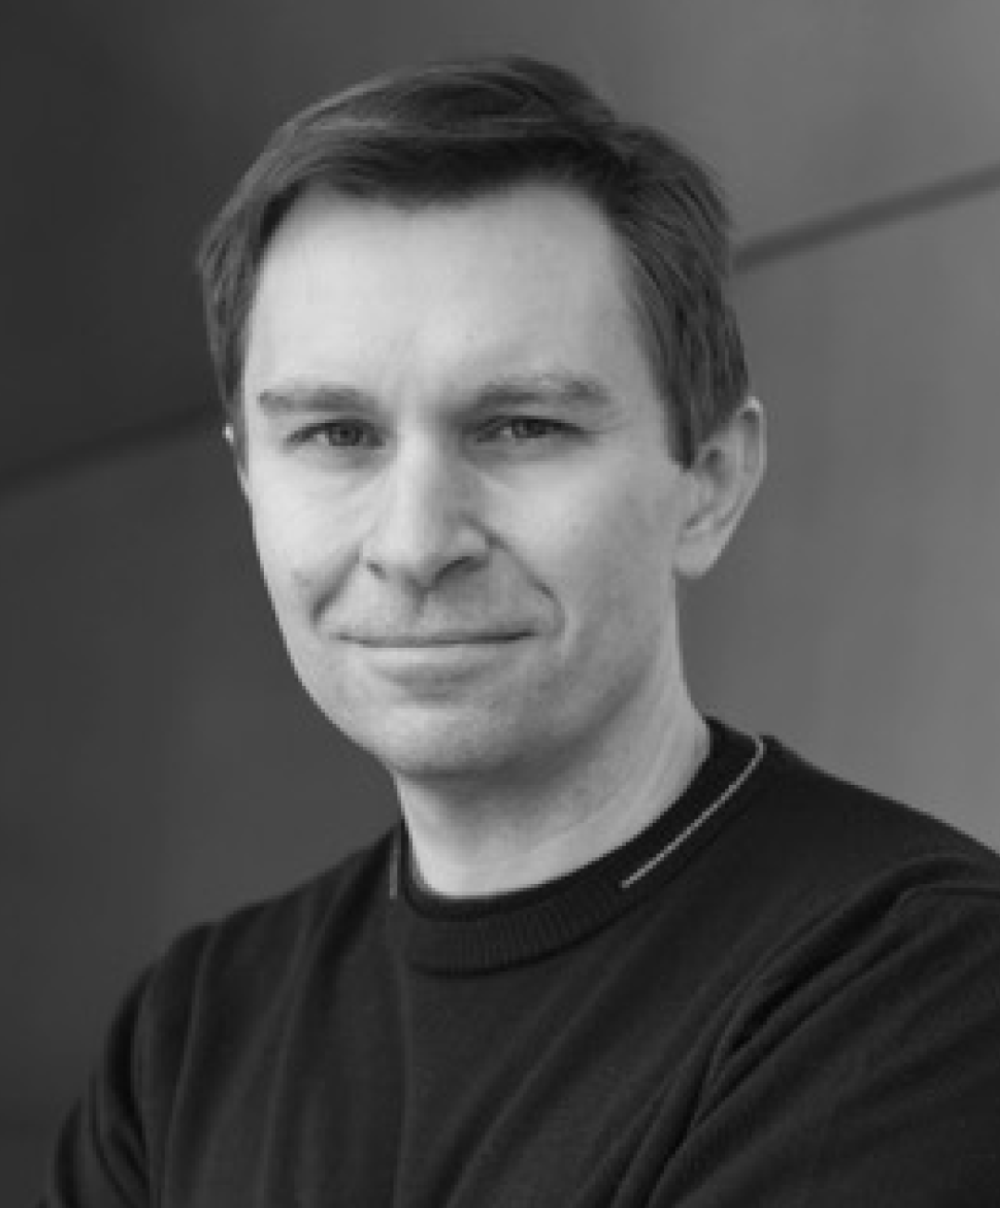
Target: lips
pixel 438 664
pixel 411 641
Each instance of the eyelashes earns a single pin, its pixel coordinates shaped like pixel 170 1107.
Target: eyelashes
pixel 339 434
pixel 526 428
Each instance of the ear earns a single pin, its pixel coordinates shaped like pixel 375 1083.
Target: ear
pixel 720 484
pixel 238 449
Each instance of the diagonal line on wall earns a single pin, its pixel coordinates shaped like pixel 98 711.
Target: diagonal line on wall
pixel 796 240
pixel 108 446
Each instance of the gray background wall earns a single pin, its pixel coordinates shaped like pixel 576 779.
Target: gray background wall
pixel 159 764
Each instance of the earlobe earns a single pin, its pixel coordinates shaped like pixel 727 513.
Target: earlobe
pixel 231 438
pixel 721 483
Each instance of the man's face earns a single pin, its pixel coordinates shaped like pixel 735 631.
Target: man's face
pixel 461 490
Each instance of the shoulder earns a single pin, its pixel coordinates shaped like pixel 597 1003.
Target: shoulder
pixel 837 839
pixel 858 890
pixel 873 981
pixel 211 1020
pixel 263 953
pixel 821 881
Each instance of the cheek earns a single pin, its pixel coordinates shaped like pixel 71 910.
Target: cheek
pixel 301 551
pixel 607 555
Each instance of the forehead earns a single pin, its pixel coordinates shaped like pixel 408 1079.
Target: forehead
pixel 530 274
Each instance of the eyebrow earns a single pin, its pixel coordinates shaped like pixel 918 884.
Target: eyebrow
pixel 313 398
pixel 517 390
pixel 559 389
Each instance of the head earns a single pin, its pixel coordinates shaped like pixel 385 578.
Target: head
pixel 471 330
pixel 455 131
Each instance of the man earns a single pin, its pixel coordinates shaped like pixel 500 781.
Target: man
pixel 489 405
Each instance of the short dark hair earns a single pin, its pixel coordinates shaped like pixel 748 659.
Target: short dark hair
pixel 449 132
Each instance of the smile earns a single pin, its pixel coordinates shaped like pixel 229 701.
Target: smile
pixel 444 640
pixel 436 664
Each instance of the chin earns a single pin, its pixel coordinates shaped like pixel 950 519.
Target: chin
pixel 439 748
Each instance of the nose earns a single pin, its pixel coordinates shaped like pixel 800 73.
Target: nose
pixel 424 525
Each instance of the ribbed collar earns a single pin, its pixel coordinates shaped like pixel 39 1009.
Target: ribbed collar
pixel 445 935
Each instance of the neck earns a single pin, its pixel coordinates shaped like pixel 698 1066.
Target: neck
pixel 507 832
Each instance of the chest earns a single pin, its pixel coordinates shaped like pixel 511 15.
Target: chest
pixel 569 1081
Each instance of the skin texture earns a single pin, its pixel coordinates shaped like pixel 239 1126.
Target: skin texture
pixel 471 525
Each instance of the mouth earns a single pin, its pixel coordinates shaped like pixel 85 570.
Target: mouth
pixel 435 665
pixel 429 641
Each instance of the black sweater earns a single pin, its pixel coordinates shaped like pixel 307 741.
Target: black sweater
pixel 794 1001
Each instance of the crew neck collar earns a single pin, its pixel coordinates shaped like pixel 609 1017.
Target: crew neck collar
pixel 469 935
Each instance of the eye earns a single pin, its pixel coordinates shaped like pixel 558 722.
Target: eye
pixel 339 434
pixel 524 428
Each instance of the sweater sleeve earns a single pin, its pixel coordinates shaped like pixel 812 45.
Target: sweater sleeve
pixel 862 1069
pixel 99 1159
